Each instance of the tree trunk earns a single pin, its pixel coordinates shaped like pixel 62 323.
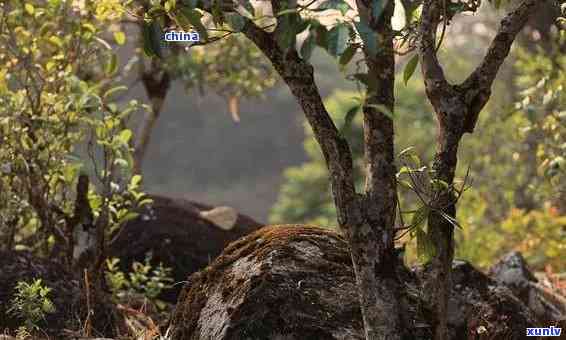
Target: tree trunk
pixel 359 216
pixel 441 230
pixel 156 82
pixel 372 244
pixel 457 108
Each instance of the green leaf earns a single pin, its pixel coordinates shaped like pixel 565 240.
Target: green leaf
pixel 425 246
pixel 349 118
pixel 410 68
pixel 419 217
pixel 439 184
pixel 368 37
pixel 307 47
pixel 29 8
pixel 339 5
pixel 156 11
pixel 320 32
pixel 190 3
pixel 383 109
pixel 301 24
pixel 337 39
pixel 287 11
pixel 128 217
pixel 410 9
pixel 124 136
pixel 288 26
pixel 236 21
pixel 285 38
pixel 114 90
pixel 152 39
pixel 49 26
pixel 169 5
pixel 192 17
pixel 112 65
pixel 135 181
pixel 348 54
pixel 120 37
pixel 55 40
pixel 88 26
pixel 145 201
pixel 248 6
pixel 147 44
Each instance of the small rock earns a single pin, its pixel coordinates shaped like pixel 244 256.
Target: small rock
pixel 512 271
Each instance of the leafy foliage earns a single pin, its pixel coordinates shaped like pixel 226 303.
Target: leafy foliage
pixel 144 279
pixel 59 118
pixel 233 67
pixel 31 303
pixel 222 61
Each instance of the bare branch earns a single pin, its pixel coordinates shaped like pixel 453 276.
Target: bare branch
pixel 298 74
pixel 433 73
pixel 510 26
pixel 478 85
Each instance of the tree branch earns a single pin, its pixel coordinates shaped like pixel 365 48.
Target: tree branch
pixel 298 74
pixel 433 74
pixel 156 82
pixel 477 86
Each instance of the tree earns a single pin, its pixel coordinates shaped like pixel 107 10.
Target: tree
pixel 457 109
pixel 368 218
pixel 493 218
pixel 66 181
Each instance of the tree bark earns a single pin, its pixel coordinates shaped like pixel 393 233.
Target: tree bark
pixel 457 108
pixel 365 219
pixel 380 194
pixel 82 218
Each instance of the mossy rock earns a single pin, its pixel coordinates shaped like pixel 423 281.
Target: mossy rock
pixel 297 282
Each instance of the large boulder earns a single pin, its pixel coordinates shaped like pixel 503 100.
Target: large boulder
pixel 297 282
pixel 277 283
pixel 181 234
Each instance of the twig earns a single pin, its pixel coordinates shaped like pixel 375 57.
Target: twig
pixel 87 330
